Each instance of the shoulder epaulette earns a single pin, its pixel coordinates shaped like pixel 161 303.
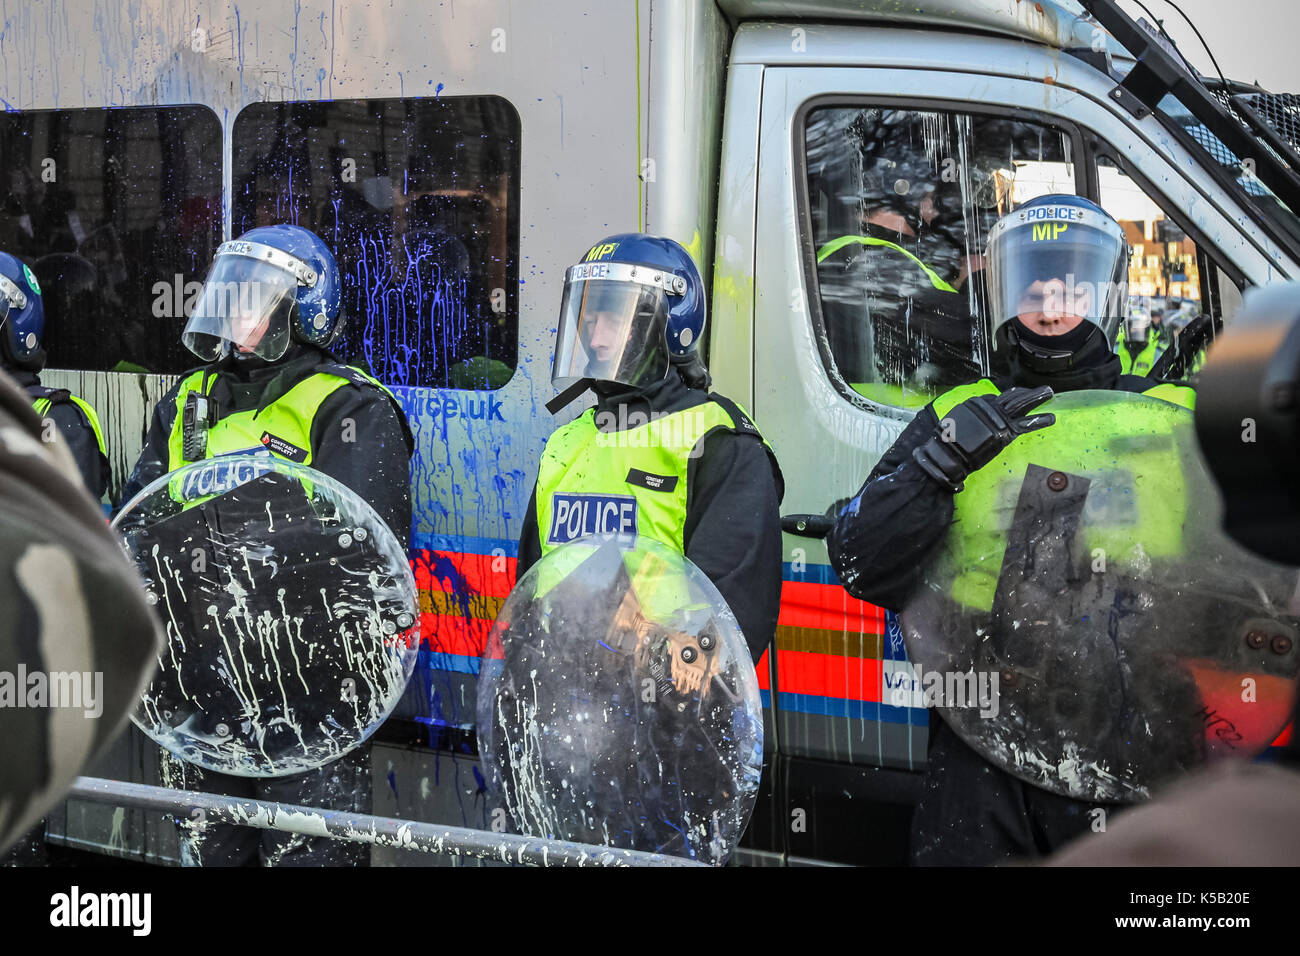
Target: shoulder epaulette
pixel 743 424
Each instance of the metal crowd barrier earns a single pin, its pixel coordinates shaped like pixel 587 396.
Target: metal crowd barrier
pixel 364 828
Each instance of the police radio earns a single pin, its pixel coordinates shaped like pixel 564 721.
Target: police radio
pixel 200 414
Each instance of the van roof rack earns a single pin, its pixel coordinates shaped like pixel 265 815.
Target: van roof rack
pixel 1252 137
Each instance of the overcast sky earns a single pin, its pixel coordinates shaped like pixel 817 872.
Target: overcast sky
pixel 1251 39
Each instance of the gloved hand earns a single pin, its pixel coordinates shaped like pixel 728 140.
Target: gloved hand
pixel 976 431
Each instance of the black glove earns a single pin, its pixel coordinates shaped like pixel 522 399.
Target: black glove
pixel 976 431
pixel 1177 359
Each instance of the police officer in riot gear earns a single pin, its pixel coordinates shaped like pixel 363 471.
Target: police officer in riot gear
pixel 22 355
pixel 909 258
pixel 659 455
pixel 1138 343
pixel 268 313
pixel 1057 275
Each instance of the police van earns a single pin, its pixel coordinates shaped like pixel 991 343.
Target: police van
pixel 459 157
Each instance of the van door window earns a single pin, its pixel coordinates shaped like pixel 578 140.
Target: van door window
pixel 901 202
pixel 419 201
pixel 1171 280
pixel 118 214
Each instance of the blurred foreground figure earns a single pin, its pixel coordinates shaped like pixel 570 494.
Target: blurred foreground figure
pixel 1232 815
pixel 69 672
pixel 1237 814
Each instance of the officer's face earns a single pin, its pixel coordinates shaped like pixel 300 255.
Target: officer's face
pixel 247 329
pixel 926 212
pixel 1053 307
pixel 929 211
pixel 249 319
pixel 603 334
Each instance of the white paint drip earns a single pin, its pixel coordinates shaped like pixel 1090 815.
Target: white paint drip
pixel 116 839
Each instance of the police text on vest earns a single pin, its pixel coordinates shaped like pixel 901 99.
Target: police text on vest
pixel 580 516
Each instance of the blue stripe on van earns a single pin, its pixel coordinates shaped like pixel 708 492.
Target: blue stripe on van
pixel 854 709
pixel 441 661
pixel 811 573
pixel 463 544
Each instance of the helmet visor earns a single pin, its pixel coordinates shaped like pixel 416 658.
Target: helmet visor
pixel 611 326
pixel 1056 264
pixel 244 306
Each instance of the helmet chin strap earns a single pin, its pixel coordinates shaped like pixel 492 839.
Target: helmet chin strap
pixel 35 362
pixel 569 395
pixel 251 361
pixel 693 371
pixel 1033 363
pixel 1050 354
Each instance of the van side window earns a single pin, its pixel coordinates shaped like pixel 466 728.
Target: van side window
pixel 901 202
pixel 1168 284
pixel 118 214
pixel 419 201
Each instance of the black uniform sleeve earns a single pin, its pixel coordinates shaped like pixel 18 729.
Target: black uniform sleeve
pixel 152 462
pixel 733 530
pixel 370 455
pixel 76 431
pixel 887 533
pixel 530 543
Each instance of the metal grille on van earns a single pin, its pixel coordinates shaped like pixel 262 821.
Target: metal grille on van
pixel 1279 112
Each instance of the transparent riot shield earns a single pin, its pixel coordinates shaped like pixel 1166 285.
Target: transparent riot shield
pixel 618 705
pixel 1087 625
pixel 290 610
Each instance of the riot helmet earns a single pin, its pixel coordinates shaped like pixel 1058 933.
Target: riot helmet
pixel 272 285
pixel 907 186
pixel 901 170
pixel 22 316
pixel 1137 327
pixel 633 307
pixel 1059 265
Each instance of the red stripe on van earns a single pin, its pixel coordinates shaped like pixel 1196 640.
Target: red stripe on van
pixel 826 675
pixel 828 606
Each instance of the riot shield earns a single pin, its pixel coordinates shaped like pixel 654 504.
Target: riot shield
pixel 1087 625
pixel 290 610
pixel 617 704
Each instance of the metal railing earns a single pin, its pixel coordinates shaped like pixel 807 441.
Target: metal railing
pixel 433 838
